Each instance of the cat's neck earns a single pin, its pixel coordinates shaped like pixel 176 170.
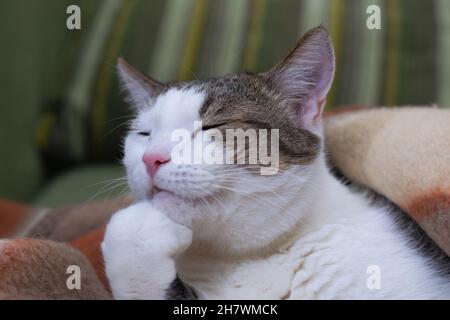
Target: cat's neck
pixel 333 202
pixel 323 200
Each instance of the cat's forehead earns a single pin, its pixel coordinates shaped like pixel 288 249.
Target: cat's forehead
pixel 235 91
pixel 243 97
pixel 175 108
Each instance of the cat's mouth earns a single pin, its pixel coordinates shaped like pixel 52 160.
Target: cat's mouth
pixel 168 195
pixel 158 192
pixel 154 191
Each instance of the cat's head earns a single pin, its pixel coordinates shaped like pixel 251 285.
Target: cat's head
pixel 287 101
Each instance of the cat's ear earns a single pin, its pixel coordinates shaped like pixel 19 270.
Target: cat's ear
pixel 141 89
pixel 305 75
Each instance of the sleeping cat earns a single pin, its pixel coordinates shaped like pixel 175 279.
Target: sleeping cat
pixel 225 231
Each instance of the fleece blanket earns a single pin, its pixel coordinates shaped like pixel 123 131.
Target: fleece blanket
pixel 400 153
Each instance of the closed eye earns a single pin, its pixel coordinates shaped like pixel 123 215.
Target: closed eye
pixel 204 128
pixel 144 133
pixel 244 124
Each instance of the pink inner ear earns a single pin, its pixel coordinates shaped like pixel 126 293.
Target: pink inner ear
pixel 319 112
pixel 311 112
pixel 326 78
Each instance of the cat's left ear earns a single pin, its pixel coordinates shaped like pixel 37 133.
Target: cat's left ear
pixel 305 76
pixel 141 89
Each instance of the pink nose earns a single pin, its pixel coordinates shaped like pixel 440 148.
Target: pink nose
pixel 153 161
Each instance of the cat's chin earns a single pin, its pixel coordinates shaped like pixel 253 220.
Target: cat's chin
pixel 180 210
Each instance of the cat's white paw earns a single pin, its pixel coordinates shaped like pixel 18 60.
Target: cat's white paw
pixel 143 228
pixel 139 248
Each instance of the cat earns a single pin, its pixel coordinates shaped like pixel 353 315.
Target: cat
pixel 211 231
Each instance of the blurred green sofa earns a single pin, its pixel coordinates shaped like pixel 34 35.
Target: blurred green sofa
pixel 61 112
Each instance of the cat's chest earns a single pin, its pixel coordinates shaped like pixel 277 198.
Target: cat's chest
pixel 268 278
pixel 294 273
pixel 306 270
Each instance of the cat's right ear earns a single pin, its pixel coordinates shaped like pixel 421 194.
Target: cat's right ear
pixel 141 89
pixel 305 75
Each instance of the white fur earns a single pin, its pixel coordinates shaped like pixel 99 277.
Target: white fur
pixel 340 237
pixel 140 247
pixel 174 109
pixel 297 235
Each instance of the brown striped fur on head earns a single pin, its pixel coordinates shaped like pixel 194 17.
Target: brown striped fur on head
pixel 289 97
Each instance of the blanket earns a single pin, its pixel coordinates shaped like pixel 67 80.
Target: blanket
pixel 402 154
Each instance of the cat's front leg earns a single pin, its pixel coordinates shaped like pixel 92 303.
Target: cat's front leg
pixel 140 247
